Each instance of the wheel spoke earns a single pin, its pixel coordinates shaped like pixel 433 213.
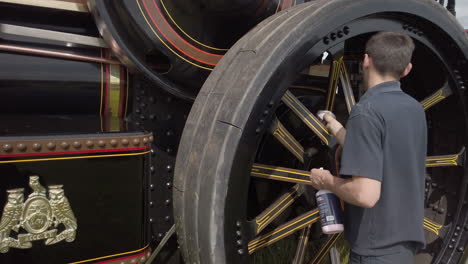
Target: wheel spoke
pixel 346 86
pixel 432 226
pixel 307 117
pixel 326 248
pixel 447 160
pixel 280 174
pixel 277 207
pixel 302 246
pixel 287 140
pixel 283 231
pixel 436 97
pixel 333 76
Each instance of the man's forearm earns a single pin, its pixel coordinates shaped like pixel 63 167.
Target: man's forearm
pixel 340 136
pixel 350 191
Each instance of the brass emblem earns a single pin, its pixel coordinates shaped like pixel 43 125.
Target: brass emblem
pixel 39 216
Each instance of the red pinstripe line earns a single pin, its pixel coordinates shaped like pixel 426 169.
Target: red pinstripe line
pixel 154 23
pixel 73 152
pixel 208 53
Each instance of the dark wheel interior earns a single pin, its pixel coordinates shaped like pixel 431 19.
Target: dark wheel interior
pixel 241 182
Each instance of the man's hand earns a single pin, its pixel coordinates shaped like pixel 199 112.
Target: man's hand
pixel 321 179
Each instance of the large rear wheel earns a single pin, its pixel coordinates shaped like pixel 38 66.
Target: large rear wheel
pixel 241 183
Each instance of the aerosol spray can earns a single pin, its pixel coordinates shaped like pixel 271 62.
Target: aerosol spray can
pixel 331 216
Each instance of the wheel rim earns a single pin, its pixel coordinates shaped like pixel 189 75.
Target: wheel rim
pixel 241 239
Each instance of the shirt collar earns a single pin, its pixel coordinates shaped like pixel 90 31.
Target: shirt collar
pixel 391 86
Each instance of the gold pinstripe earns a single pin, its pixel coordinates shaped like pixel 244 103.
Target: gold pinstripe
pixel 282 170
pixel 323 251
pixel 291 102
pixel 263 240
pixel 286 138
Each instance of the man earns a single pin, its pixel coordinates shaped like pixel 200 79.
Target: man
pixel 384 152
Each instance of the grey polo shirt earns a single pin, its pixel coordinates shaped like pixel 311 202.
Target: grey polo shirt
pixel 386 140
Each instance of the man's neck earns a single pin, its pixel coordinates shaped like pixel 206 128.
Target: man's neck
pixel 376 79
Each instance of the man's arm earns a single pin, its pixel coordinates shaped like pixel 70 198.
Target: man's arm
pixel 335 128
pixel 359 191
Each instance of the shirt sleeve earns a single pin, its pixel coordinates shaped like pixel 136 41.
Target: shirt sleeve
pixel 363 152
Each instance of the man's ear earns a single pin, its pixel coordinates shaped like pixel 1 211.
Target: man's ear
pixel 408 69
pixel 367 61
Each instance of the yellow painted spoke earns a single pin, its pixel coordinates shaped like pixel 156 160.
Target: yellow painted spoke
pixel 283 231
pixel 302 246
pixel 278 207
pixel 280 174
pixel 436 97
pixel 326 248
pixel 307 117
pixel 447 160
pixel 287 140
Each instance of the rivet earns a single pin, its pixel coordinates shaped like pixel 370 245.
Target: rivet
pixel 89 143
pixel 167 202
pixel 238 233
pixel 461 249
pixel 346 30
pixel 137 123
pixel 64 145
pixel 77 144
pixel 434 184
pixel 455 234
pixel 169 117
pixel 136 141
pixel 453 240
pixel 50 145
pixel 168 150
pixel 152 117
pixel 261 122
pixel 168 185
pixel 145 140
pixel 7 148
pixel 258 130
pixel 151 138
pixel 125 142
pixel 151 220
pixel 239 242
pixel 21 147
pixel 142 117
pixel 265 112
pixel 169 133
pixel 151 99
pixel 152 187
pixel 160 235
pixel 137 111
pixel 114 143
pixel 240 251
pixel 168 168
pixel 142 105
pixel 151 204
pixel 450 246
pixel 142 92
pixel 138 98
pixel 458 228
pixel 167 218
pixel 271 103
pixel 153 153
pixel 36 146
pixel 238 223
pixel 101 143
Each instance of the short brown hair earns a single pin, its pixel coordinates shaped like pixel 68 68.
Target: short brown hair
pixel 391 52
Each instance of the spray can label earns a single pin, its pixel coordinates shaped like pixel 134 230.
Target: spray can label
pixel 329 208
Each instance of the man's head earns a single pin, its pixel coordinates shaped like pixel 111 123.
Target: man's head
pixel 387 57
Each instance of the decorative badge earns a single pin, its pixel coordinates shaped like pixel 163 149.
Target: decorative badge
pixel 38 216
